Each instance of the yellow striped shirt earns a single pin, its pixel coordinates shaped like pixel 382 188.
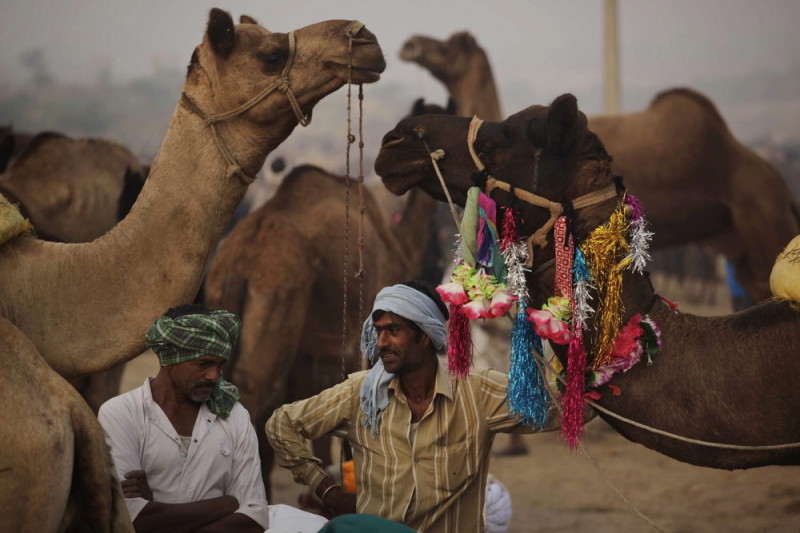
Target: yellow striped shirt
pixel 447 463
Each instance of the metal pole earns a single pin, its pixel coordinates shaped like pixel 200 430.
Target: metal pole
pixel 611 58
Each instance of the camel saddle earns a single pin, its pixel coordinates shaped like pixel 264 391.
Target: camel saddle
pixel 12 223
pixel 784 281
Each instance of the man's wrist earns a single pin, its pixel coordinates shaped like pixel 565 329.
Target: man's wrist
pixel 327 490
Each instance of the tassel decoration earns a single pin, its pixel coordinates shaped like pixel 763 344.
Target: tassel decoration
pixel 603 249
pixel 526 392
pixel 459 342
pixel 640 237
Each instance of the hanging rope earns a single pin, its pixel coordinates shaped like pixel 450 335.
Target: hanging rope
pixel 361 206
pixel 345 258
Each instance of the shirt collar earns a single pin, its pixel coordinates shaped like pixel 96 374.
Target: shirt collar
pixel 444 383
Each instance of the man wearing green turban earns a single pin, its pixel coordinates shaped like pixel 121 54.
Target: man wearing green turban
pixel 183 445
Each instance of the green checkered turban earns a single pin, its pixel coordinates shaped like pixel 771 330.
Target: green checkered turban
pixel 181 339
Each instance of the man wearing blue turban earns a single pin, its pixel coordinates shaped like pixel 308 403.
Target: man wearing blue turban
pixel 420 438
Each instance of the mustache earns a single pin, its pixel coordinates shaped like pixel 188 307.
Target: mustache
pixel 205 384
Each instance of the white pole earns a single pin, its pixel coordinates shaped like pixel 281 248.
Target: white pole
pixel 611 56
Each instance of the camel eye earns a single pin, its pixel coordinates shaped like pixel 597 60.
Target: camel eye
pixel 273 60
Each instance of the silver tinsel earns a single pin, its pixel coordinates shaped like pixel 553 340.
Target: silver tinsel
pixel 515 256
pixel 639 245
pixel 458 252
pixel 582 307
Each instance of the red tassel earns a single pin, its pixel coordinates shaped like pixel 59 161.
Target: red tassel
pixel 459 343
pixel 572 399
pixel 509 228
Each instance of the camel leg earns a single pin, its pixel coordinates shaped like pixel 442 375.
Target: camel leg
pixel 97 388
pixel 97 498
pixel 764 222
pixel 274 322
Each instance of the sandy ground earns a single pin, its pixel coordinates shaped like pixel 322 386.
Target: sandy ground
pixel 554 489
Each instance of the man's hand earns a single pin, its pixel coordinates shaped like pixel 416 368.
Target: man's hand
pixel 339 501
pixel 135 485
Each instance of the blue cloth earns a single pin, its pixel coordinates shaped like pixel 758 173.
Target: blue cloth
pixel 412 305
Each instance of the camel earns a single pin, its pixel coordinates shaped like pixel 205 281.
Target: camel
pixel 72 190
pixel 678 153
pixel 75 190
pixel 54 448
pixel 729 379
pixel 464 69
pixel 154 258
pixel 282 265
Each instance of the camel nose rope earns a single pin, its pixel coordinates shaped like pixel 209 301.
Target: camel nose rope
pixel 281 84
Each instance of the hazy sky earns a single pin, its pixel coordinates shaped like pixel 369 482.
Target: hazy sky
pixel 553 46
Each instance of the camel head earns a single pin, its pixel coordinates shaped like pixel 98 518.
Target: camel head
pixel 545 150
pixel 447 60
pixel 237 62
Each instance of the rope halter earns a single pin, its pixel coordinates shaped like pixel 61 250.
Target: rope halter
pixel 281 84
pixel 539 237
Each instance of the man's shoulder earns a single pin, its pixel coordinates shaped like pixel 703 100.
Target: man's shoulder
pixel 126 399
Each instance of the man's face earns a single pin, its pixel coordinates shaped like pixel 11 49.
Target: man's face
pixel 197 378
pixel 400 347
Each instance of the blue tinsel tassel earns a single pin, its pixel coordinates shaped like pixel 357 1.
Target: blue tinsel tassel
pixel 526 393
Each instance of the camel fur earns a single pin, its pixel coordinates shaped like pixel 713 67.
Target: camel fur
pixel 86 307
pixel 729 379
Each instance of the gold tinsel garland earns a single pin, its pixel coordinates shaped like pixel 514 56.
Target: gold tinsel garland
pixel 605 250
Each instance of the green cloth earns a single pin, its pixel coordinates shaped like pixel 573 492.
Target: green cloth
pixel 187 337
pixel 363 523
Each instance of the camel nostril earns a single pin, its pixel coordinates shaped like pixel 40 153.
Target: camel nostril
pixel 391 138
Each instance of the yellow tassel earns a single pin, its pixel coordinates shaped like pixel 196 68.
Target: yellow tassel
pixel 605 250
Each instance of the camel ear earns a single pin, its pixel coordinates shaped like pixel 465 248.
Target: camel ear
pixel 247 19
pixel 452 108
pixel 220 32
pixel 463 40
pixel 564 123
pixel 418 108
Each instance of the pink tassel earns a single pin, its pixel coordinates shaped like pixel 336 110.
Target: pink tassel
pixel 459 342
pixel 572 399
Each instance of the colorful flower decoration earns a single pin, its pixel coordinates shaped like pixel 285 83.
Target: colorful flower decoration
pixel 479 293
pixel 552 321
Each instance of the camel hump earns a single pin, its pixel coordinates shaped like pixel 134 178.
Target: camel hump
pixel 38 140
pixel 690 94
pixel 784 281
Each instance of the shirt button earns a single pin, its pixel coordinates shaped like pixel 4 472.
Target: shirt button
pixel 416 459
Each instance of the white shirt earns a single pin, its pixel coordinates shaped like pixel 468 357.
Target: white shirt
pixel 222 458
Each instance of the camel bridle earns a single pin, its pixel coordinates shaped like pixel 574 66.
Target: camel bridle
pixel 539 237
pixel 281 84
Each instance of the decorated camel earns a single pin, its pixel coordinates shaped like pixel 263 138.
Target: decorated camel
pixel 700 184
pixel 86 307
pixel 281 269
pixel 728 380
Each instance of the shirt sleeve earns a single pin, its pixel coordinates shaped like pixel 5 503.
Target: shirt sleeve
pixel 122 437
pixel 493 392
pixel 290 428
pixel 246 481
